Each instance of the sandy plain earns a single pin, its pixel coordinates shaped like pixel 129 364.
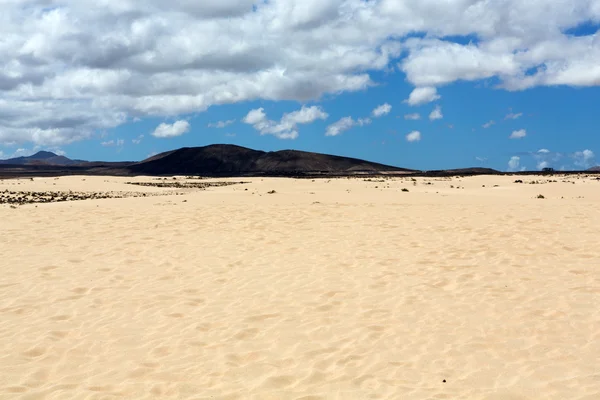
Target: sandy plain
pixel 462 288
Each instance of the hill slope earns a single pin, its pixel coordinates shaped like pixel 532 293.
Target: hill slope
pixel 221 159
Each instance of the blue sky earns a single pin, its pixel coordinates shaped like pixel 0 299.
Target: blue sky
pixel 508 99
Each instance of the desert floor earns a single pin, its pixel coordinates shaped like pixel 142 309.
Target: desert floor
pixel 325 289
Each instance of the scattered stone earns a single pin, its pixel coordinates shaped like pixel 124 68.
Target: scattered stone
pixel 18 198
pixel 185 185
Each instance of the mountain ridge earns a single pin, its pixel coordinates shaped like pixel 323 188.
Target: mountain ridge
pixel 41 158
pixel 226 159
pixel 229 160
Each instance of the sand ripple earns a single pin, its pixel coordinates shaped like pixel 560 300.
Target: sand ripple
pixel 367 294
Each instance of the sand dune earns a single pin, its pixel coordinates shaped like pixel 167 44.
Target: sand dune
pixel 326 289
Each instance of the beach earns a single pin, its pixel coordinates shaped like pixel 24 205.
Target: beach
pixel 363 288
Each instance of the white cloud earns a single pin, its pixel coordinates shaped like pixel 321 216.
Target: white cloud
pixel 435 62
pixel 414 136
pixel 137 140
pixel 221 124
pixel 22 152
pixel 545 157
pixel 521 133
pixel 175 129
pixel 514 163
pixel 412 117
pixel 481 159
pixel 585 158
pixel 113 143
pixel 488 124
pixel 382 110
pixel 436 113
pixel 287 127
pixel 543 164
pixel 344 124
pixel 422 95
pixel 513 116
pixel 256 116
pixel 340 126
pixel 69 69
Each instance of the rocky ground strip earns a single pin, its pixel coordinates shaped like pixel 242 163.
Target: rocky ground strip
pixel 29 197
pixel 21 197
pixel 185 185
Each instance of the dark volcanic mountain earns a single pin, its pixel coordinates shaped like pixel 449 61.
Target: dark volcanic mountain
pixel 41 158
pixel 222 160
pixel 594 169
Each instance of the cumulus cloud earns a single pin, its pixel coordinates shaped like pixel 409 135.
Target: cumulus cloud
pixel 113 143
pixel 287 127
pixel 23 152
pixel 584 159
pixel 221 124
pixel 513 116
pixel 69 69
pixel 414 136
pixel 422 95
pixel 344 124
pixel 488 124
pixel 546 158
pixel 514 163
pixel 436 113
pixel 175 129
pixel 543 164
pixel 381 110
pixel 436 62
pixel 412 117
pixel 520 134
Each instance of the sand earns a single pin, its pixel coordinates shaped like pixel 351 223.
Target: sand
pixel 325 289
